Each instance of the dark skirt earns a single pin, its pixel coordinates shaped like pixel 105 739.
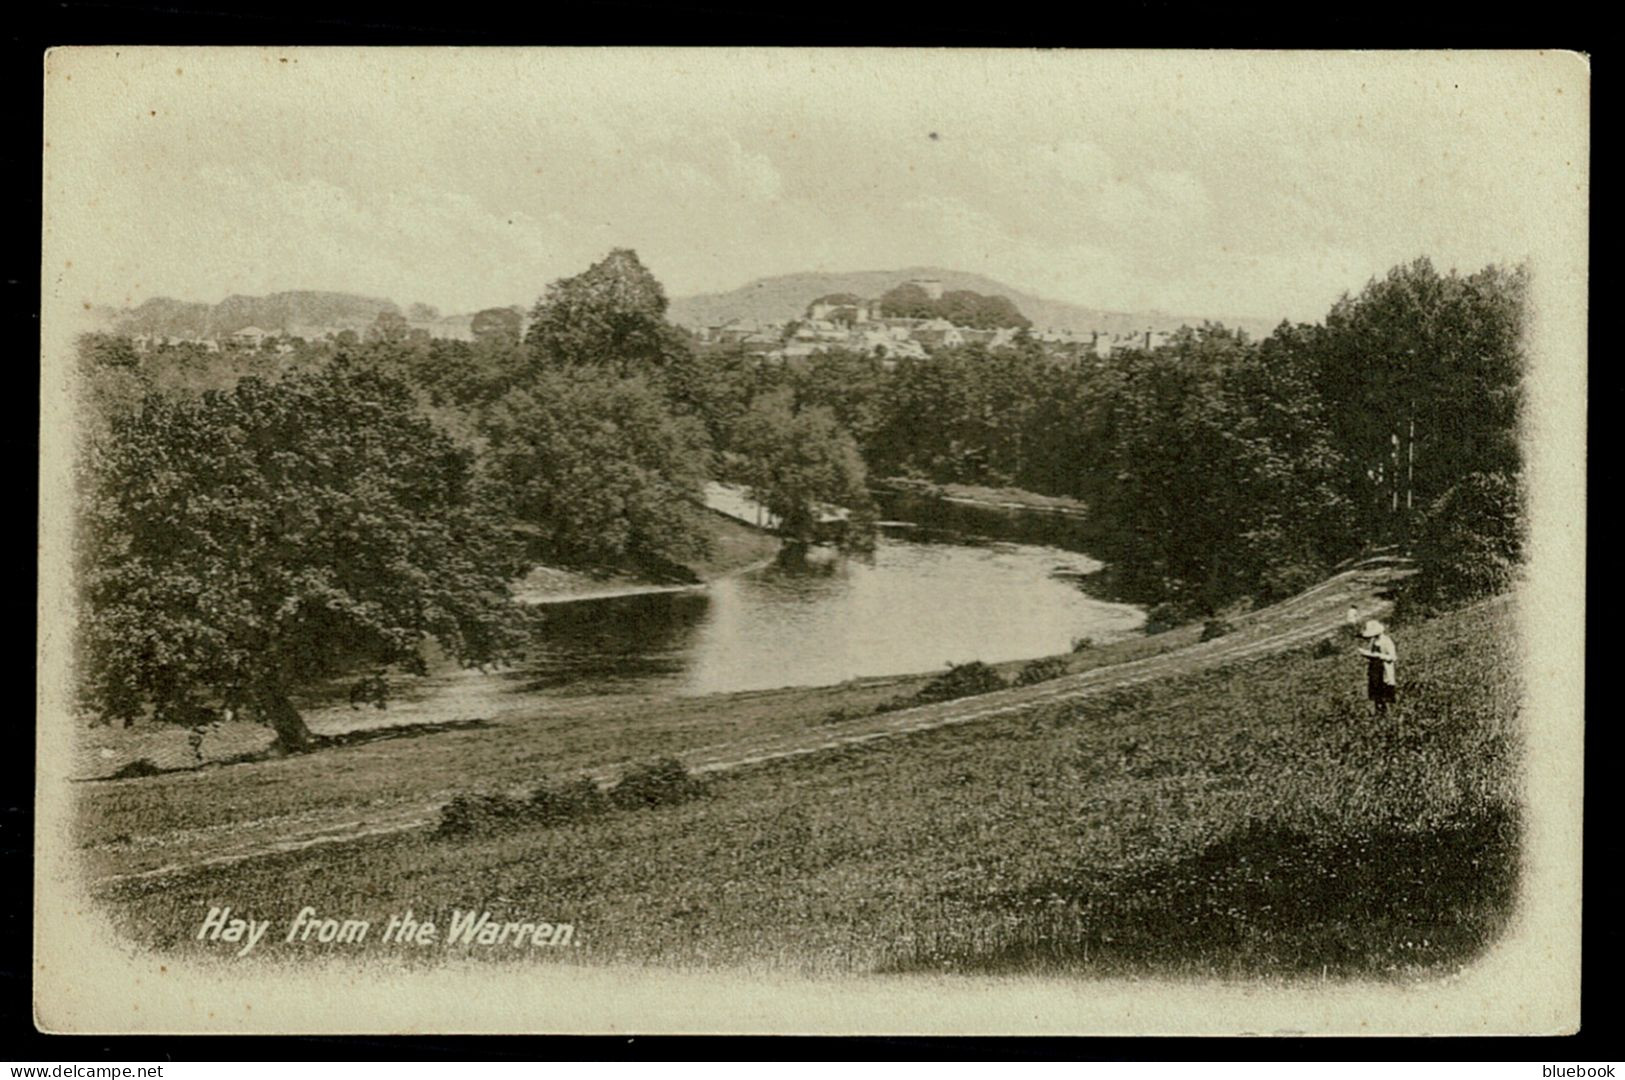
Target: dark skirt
pixel 1375 687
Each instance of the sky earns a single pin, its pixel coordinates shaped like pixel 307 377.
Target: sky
pixel 1241 184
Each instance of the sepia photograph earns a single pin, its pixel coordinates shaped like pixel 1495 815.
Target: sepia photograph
pixel 811 541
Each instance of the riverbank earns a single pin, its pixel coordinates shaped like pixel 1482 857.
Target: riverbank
pixel 735 548
pixel 1004 498
pixel 1241 820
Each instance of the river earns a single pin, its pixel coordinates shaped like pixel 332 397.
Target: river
pixel 946 583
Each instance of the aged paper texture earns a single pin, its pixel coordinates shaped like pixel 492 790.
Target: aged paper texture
pixel 927 536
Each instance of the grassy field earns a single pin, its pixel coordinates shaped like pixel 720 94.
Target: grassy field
pixel 1254 820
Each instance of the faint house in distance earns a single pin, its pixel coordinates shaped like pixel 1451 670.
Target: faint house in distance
pixel 935 332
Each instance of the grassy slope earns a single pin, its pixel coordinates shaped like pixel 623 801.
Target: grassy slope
pixel 1253 820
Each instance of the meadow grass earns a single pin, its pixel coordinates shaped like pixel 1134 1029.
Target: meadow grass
pixel 1255 820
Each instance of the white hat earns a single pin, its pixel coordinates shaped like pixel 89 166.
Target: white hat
pixel 1372 628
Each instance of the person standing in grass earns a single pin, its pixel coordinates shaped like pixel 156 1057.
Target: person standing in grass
pixel 1381 659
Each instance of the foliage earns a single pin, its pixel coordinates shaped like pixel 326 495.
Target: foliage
pixel 794 461
pixel 236 544
pixel 1470 541
pixel 1215 628
pixel 1041 670
pixel 473 813
pixel 662 782
pixel 596 470
pixel 962 680
pixel 497 326
pixel 1422 376
pixel 960 307
pixel 613 313
pixel 567 802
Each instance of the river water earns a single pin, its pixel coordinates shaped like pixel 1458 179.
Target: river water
pixel 945 584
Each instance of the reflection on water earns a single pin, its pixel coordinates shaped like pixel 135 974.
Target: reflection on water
pixel 931 593
pixel 917 602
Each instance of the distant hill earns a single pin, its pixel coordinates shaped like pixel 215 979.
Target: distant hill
pixel 779 299
pixel 283 312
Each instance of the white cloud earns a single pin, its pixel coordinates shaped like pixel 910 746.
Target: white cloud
pixel 1187 181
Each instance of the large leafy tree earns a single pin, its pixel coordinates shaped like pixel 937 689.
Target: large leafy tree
pixel 499 326
pixel 796 459
pixel 240 543
pixel 1423 374
pixel 598 470
pixel 613 314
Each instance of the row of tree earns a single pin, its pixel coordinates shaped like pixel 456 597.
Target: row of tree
pixel 1218 467
pixel 962 307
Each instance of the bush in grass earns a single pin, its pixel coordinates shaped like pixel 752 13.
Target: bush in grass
pixel 138 767
pixel 567 802
pixel 1325 647
pixel 962 680
pixel 1037 671
pixel 657 783
pixel 1082 644
pixel 470 813
pixel 1215 628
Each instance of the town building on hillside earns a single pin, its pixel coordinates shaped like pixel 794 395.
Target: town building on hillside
pixel 250 337
pixel 847 314
pixel 820 330
pixel 761 341
pixel 734 331
pixel 938 332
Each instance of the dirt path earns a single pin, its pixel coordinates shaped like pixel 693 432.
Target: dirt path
pixel 1291 624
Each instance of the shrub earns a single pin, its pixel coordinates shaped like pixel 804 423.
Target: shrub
pixel 657 783
pixel 1163 618
pixel 138 767
pixel 1215 628
pixel 1082 644
pixel 568 802
pixel 1469 543
pixel 1281 582
pixel 1325 647
pixel 469 813
pixel 1037 671
pixel 962 680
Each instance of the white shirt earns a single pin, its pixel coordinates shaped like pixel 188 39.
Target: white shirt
pixel 1382 648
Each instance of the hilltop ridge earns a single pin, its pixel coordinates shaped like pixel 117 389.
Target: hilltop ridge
pixel 281 312
pixel 777 299
pixel 783 297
